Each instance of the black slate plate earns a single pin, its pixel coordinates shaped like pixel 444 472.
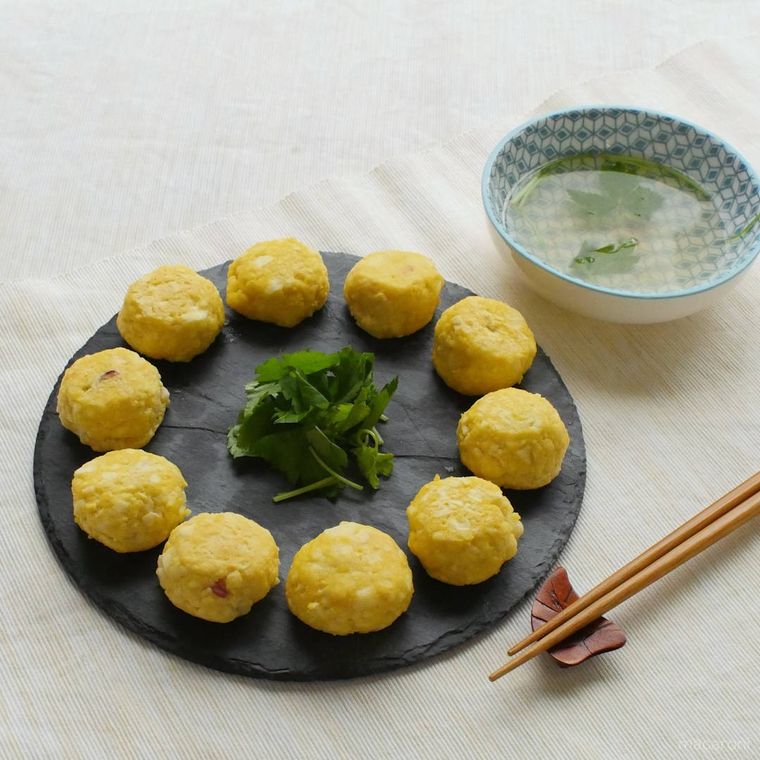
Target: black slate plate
pixel 205 398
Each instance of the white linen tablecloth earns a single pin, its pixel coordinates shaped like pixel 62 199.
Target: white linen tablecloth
pixel 125 120
pixel 671 419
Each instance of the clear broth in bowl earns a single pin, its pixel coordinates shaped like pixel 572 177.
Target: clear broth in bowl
pixel 618 221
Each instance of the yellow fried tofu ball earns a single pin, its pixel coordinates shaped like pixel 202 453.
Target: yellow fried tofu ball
pixel 112 399
pixel 481 345
pixel 217 566
pixel 171 313
pixel 279 281
pixel 513 438
pixel 129 500
pixel 393 293
pixel 350 579
pixel 462 530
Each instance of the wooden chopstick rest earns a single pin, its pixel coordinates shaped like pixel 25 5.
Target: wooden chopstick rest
pixel 600 636
pixel 712 533
pixel 689 528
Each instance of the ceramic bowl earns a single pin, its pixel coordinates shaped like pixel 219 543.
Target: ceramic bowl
pixel 691 150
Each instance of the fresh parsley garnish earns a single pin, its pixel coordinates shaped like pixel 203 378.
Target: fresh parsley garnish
pixel 746 229
pixel 620 194
pixel 313 416
pixel 613 257
pixel 584 255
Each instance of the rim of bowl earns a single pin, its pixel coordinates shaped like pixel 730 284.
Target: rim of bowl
pixel 522 251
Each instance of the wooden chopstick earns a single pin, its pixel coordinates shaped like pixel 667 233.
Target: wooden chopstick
pixel 692 546
pixel 718 508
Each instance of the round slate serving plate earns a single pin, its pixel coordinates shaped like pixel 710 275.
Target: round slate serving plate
pixel 206 396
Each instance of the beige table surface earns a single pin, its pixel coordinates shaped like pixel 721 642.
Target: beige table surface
pixel 671 419
pixel 126 120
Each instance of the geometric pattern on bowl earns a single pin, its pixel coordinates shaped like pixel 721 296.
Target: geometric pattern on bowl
pixel 724 174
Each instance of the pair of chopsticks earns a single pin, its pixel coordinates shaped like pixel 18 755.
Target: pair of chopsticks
pixel 704 529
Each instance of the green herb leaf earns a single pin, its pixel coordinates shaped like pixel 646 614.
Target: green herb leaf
pixel 617 247
pixel 288 417
pixel 611 258
pixel 621 193
pixel 744 230
pixel 252 424
pixel 643 167
pixel 307 362
pixel 379 403
pixel 592 203
pixel 643 202
pixel 287 451
pixel 373 463
pixel 256 394
pixel 619 253
pixel 329 452
pixel 352 373
pixel 306 411
pixel 348 416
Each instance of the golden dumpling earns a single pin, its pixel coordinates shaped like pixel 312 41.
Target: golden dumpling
pixel 393 293
pixel 278 281
pixel 350 579
pixel 129 500
pixel 462 530
pixel 481 345
pixel 171 313
pixel 217 566
pixel 513 438
pixel 113 399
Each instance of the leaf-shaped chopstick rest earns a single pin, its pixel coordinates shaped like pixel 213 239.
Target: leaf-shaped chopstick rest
pixel 596 638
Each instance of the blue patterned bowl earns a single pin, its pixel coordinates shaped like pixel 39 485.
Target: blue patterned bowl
pixel 691 150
